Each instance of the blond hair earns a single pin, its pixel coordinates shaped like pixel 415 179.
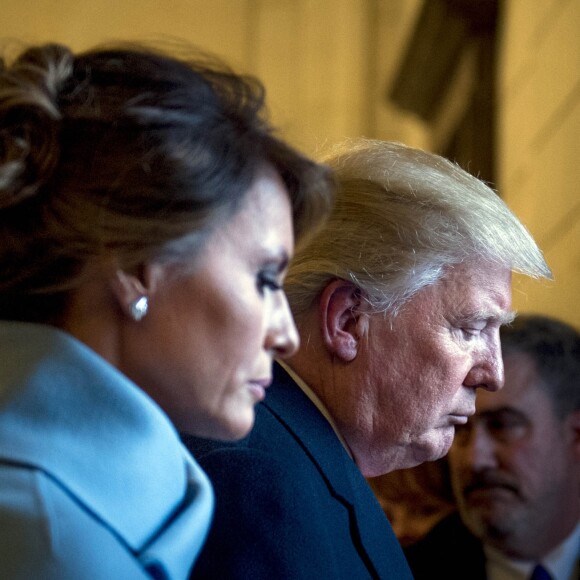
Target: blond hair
pixel 401 217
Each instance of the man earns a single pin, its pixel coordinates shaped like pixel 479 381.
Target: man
pixel 515 468
pixel 398 301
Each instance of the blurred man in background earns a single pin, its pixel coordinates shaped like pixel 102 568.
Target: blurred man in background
pixel 515 468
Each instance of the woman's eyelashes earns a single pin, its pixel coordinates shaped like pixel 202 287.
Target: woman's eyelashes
pixel 272 273
pixel 270 279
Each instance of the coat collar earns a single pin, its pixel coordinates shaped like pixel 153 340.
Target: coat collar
pixel 313 432
pixel 67 411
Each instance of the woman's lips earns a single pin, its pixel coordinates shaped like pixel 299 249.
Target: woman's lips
pixel 258 388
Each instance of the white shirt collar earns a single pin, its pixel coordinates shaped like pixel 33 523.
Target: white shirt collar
pixel 562 562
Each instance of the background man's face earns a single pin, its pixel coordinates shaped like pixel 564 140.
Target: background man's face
pixel 513 466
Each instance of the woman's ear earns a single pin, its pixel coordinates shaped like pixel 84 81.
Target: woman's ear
pixel 341 317
pixel 130 288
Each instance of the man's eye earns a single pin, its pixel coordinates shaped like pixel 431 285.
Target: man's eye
pixel 506 428
pixel 471 332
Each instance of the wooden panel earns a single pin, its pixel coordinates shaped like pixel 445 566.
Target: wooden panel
pixel 539 133
pixel 442 32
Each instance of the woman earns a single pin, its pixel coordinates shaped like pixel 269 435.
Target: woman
pixel 147 215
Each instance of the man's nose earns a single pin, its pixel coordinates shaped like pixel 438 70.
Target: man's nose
pixel 480 449
pixel 488 372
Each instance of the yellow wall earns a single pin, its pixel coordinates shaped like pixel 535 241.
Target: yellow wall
pixel 324 62
pixel 539 155
pixel 326 65
pixel 83 23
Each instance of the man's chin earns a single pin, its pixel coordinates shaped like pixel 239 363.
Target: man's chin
pixel 443 442
pixel 490 522
pixel 435 446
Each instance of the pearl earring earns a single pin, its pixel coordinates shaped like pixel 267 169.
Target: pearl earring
pixel 139 308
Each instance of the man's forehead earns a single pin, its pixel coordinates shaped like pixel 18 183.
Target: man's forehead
pixel 478 292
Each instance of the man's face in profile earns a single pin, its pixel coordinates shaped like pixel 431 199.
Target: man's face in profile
pixel 415 376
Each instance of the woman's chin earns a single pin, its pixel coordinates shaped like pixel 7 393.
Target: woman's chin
pixel 227 424
pixel 228 428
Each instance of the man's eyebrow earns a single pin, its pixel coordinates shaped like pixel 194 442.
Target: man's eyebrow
pixel 506 317
pixel 487 316
pixel 504 410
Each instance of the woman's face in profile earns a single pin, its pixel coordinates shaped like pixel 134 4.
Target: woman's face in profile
pixel 211 335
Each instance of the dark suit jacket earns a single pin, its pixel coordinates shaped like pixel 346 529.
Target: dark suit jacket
pixel 448 551
pixel 290 502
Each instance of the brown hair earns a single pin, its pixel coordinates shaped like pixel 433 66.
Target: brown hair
pixel 554 346
pixel 130 151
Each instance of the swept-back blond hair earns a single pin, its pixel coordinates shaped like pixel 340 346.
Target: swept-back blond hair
pixel 401 217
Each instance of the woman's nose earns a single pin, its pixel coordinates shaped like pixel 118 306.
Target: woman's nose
pixel 283 338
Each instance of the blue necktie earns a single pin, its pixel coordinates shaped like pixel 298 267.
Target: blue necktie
pixel 540 573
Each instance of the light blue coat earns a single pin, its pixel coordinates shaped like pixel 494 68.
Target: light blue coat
pixel 94 482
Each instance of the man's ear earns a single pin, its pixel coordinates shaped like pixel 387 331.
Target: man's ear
pixel 341 319
pixel 128 287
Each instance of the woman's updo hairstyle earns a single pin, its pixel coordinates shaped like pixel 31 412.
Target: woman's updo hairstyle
pixel 29 121
pixel 129 152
